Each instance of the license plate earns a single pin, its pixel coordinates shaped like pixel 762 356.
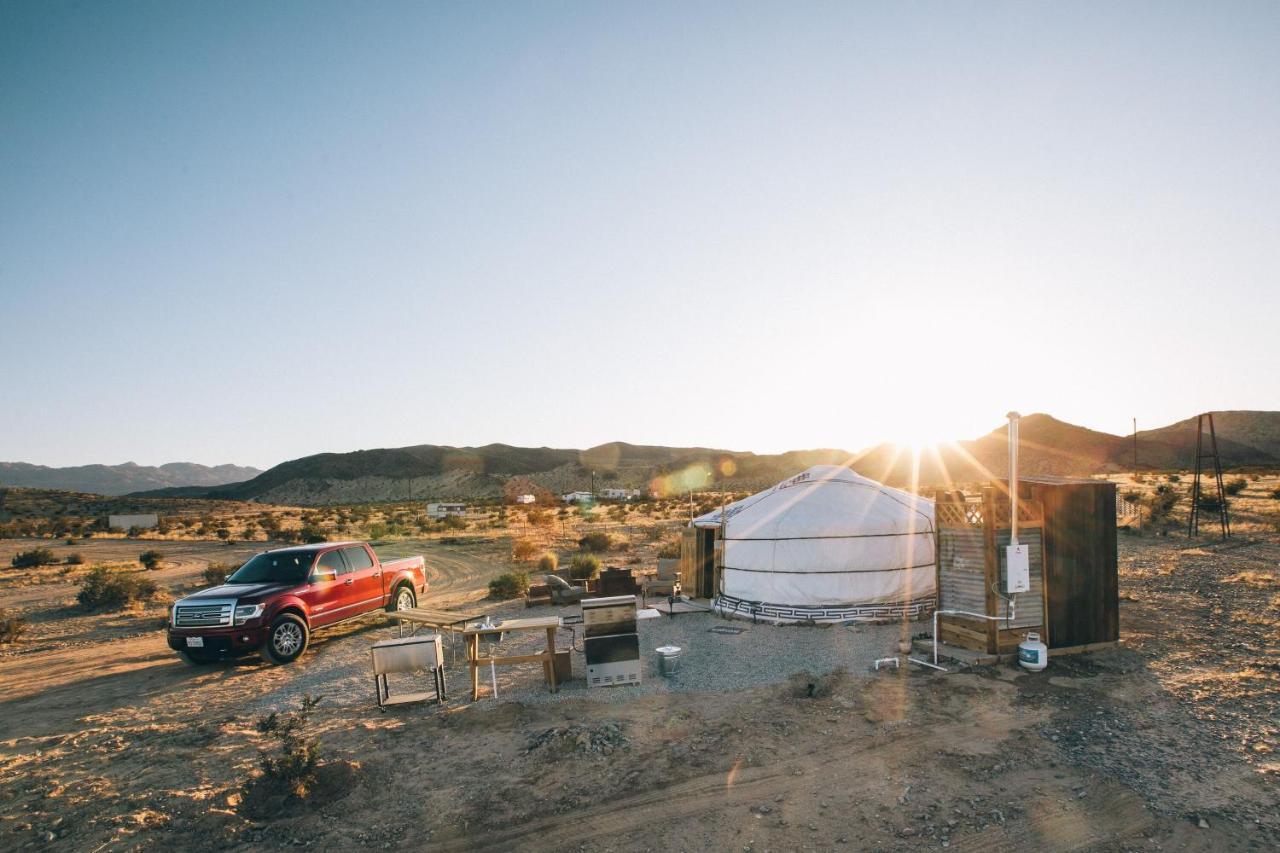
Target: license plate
pixel 195 642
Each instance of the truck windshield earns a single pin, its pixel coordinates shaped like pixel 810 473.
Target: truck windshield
pixel 280 567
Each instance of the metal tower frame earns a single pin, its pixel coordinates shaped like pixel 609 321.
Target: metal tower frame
pixel 1193 525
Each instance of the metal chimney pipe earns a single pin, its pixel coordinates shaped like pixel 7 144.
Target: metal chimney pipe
pixel 1014 418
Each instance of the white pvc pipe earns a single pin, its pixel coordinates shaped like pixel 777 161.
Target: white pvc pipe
pixel 1012 614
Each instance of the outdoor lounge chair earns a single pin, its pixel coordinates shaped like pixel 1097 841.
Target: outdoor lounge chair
pixel 562 592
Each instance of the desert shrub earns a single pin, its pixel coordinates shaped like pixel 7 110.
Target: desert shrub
pixel 1131 495
pixel 150 559
pixel 215 574
pixel 1235 485
pixel 223 533
pixel 596 542
pixel 291 770
pixel 75 558
pixel 1175 478
pixel 11 627
pixel 1275 494
pixel 1161 502
pixel 377 530
pixel 524 549
pixel 455 522
pixel 1209 498
pixel 584 566
pixel 312 534
pixel 540 518
pixel 34 557
pixel 509 585
pixel 669 550
pixel 548 562
pixel 105 589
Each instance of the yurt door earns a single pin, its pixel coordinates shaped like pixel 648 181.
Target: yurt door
pixel 706 562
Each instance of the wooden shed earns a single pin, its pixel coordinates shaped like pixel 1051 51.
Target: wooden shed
pixel 1070 526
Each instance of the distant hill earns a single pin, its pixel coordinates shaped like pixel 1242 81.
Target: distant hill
pixel 121 479
pixel 1049 446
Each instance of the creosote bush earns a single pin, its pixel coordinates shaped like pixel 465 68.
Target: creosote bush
pixel 11 627
pixel 215 573
pixel 107 589
pixel 596 542
pixel 1235 486
pixel 524 549
pixel 584 566
pixel 509 585
pixel 150 559
pixel 75 558
pixel 291 770
pixel 33 557
pixel 548 563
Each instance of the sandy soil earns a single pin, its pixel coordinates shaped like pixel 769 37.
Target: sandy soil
pixel 108 741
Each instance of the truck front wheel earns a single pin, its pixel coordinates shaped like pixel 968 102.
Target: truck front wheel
pixel 403 599
pixel 287 639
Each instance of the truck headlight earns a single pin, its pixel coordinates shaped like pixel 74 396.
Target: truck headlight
pixel 245 612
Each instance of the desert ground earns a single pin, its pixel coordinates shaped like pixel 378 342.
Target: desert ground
pixel 109 741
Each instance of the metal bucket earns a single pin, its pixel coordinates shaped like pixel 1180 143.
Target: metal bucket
pixel 668 660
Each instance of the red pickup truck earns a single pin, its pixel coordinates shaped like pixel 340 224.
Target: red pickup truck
pixel 273 602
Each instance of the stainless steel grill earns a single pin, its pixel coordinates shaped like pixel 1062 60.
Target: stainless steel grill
pixel 208 615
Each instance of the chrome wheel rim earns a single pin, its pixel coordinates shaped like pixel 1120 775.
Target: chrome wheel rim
pixel 287 639
pixel 405 600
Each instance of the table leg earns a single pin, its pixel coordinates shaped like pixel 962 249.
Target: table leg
pixel 551 659
pixel 473 647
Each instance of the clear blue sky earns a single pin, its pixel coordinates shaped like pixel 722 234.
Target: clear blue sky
pixel 246 232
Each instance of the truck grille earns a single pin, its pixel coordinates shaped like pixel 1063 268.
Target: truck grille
pixel 203 615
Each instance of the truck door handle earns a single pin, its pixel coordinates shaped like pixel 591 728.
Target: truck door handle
pixel 348 581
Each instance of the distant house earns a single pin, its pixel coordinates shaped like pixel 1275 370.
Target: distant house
pixel 619 494
pixel 443 510
pixel 578 497
pixel 525 499
pixel 142 522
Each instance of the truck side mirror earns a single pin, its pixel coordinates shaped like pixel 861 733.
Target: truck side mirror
pixel 323 575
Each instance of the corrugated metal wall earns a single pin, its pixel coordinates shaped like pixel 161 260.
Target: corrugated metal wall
pixel 962 564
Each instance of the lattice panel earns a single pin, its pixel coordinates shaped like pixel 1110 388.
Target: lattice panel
pixel 958 514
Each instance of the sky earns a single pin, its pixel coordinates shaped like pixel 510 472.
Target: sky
pixel 248 232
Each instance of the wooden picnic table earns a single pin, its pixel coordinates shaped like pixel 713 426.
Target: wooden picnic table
pixel 442 620
pixel 473 632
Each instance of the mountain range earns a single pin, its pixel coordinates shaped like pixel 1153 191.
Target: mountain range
pixel 122 479
pixel 1049 446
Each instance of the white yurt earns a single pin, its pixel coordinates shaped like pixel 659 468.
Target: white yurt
pixel 827 545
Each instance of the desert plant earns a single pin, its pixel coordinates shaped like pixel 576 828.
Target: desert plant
pixel 33 557
pixel 11 627
pixel 669 550
pixel 1275 494
pixel 377 530
pixel 105 589
pixel 1161 502
pixel 596 542
pixel 584 566
pixel 524 549
pixel 223 533
pixel 150 559
pixel 548 563
pixel 509 585
pixel 312 534
pixel 292 769
pixel 455 522
pixel 75 558
pixel 1174 478
pixel 215 574
pixel 1235 486
pixel 540 518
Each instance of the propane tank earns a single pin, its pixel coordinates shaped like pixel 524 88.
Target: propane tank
pixel 1033 654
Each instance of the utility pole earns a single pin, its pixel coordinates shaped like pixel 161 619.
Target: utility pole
pixel 1135 448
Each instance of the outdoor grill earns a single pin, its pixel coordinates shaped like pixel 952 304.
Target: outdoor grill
pixel 610 642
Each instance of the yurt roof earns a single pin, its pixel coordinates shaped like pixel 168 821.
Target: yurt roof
pixel 824 501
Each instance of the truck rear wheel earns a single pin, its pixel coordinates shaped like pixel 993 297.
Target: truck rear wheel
pixel 403 599
pixel 286 640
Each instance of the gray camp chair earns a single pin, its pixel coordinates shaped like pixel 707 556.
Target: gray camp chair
pixel 562 592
